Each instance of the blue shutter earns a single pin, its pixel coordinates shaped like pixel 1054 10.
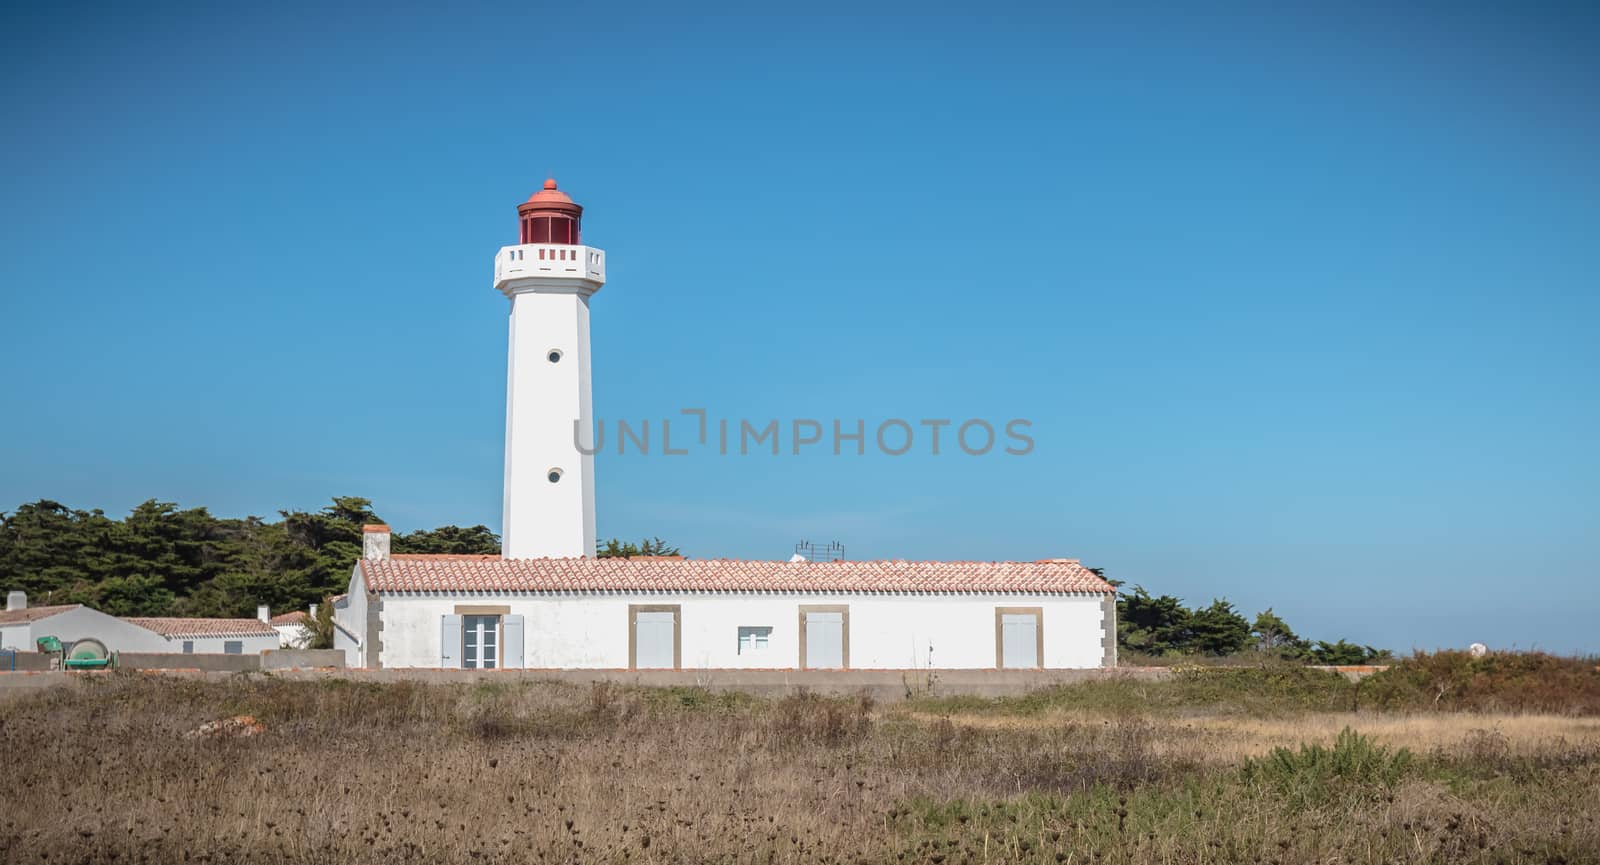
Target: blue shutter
pixel 511 647
pixel 450 641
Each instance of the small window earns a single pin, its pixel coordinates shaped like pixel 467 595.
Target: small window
pixel 753 639
pixel 554 475
pixel 188 647
pixel 554 355
pixel 232 647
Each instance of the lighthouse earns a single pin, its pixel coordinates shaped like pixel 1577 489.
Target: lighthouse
pixel 549 276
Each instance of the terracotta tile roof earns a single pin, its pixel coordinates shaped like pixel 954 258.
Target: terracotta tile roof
pixel 172 627
pixel 490 574
pixel 33 614
pixel 294 618
pixel 445 557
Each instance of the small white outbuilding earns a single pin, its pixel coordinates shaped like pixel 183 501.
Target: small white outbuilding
pixel 210 636
pixel 22 626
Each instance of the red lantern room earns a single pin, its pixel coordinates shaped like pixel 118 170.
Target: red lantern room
pixel 549 216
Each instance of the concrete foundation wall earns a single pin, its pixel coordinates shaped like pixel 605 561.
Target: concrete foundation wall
pixel 882 685
pixel 180 661
pixel 24 662
pixel 302 659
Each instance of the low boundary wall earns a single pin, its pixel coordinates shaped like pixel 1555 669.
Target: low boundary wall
pixel 171 661
pixel 881 685
pixel 303 659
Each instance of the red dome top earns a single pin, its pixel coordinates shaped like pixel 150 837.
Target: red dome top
pixel 549 216
pixel 550 196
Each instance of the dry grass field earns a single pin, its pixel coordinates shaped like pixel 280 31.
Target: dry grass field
pixel 1172 772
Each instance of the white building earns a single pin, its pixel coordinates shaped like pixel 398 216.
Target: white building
pixel 210 636
pixel 294 629
pixel 548 604
pixel 21 626
pixel 481 612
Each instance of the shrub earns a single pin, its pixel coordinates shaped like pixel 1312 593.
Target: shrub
pixel 1354 766
pixel 807 717
pixel 1499 681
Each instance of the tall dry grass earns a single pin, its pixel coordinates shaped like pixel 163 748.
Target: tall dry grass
pixel 548 773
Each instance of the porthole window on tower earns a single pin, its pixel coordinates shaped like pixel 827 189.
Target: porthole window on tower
pixel 554 475
pixel 554 355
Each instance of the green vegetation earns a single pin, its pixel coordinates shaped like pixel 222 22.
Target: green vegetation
pixel 1447 681
pixel 1315 775
pixel 616 548
pixel 512 771
pixel 1269 690
pixel 162 560
pixel 1151 628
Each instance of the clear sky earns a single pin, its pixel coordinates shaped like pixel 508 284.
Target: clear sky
pixel 1301 303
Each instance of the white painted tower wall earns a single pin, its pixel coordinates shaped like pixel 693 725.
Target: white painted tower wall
pixel 549 286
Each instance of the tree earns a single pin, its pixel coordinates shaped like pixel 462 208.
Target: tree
pixel 1153 625
pixel 449 539
pixel 1343 653
pixel 1218 630
pixel 165 560
pixel 1101 573
pixel 133 596
pixel 1274 635
pixel 320 627
pixel 618 549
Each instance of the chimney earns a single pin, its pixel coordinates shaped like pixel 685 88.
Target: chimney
pixel 16 600
pixel 375 543
pixel 313 611
pixel 264 613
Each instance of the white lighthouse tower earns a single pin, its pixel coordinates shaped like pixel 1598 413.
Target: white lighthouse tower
pixel 549 277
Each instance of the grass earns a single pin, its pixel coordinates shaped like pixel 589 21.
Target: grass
pixel 544 772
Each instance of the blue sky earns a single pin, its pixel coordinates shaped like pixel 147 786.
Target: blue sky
pixel 1301 303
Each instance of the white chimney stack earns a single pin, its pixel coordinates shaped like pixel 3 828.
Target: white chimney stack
pixel 375 543
pixel 16 600
pixel 264 613
pixel 313 611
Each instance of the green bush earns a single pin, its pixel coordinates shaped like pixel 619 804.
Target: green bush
pixel 1496 682
pixel 1313 775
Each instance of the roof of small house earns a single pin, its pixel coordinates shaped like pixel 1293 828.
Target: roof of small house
pixel 416 573
pixel 298 617
pixel 174 627
pixel 33 614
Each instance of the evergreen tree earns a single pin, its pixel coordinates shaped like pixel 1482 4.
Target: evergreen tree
pixel 1274 635
pixel 1153 625
pixel 449 539
pixel 616 548
pixel 1218 630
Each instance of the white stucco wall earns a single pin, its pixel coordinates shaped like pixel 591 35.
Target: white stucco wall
pixel 294 636
pixel 118 635
pixel 590 631
pixel 83 623
pixel 350 620
pixel 344 642
pixel 16 637
pixel 252 645
pixel 543 399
